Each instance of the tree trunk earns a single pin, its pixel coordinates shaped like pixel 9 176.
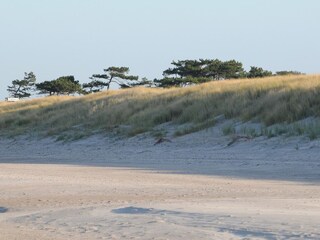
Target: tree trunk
pixel 109 83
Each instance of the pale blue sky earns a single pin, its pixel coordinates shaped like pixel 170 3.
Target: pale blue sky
pixel 53 38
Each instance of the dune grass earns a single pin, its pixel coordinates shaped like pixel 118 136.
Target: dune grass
pixel 274 100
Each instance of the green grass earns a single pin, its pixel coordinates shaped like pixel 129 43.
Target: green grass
pixel 228 129
pixel 270 101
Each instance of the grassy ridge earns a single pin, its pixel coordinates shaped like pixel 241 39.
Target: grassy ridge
pixel 269 101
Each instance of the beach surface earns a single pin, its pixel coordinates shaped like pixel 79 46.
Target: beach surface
pixel 193 187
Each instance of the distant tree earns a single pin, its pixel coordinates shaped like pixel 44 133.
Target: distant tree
pixel 184 68
pixel 231 69
pixel 281 73
pixel 94 86
pixel 22 88
pixel 180 82
pixel 258 72
pixel 186 72
pixel 46 87
pixel 117 75
pixel 143 82
pixel 169 82
pixel 62 85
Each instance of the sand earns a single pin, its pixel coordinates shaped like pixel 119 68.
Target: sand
pixel 195 187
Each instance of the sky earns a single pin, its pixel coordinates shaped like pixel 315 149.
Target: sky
pixel 56 38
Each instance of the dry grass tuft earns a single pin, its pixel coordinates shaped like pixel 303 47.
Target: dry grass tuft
pixel 270 101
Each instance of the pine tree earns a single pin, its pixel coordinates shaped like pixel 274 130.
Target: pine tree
pixel 93 86
pixel 62 85
pixel 23 88
pixel 117 75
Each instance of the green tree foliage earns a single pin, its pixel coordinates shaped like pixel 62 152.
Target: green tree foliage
pixel 62 85
pixel 258 72
pixel 143 82
pixel 186 72
pixel 230 70
pixel 184 68
pixel 282 73
pixel 179 81
pixel 46 87
pixel 117 75
pixel 93 86
pixel 22 88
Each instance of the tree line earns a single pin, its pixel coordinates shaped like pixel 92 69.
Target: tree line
pixel 183 73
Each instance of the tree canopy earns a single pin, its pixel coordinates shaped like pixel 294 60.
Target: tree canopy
pixel 182 73
pixel 117 75
pixel 62 85
pixel 93 86
pixel 258 72
pixel 22 88
pixel 281 73
pixel 186 72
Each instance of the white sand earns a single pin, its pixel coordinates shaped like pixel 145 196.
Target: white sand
pixel 193 188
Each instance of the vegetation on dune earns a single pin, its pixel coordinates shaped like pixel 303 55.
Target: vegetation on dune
pixel 271 101
pixel 184 73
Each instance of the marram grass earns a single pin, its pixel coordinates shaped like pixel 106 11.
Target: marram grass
pixel 274 100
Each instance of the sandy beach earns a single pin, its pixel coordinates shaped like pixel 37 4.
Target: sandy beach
pixel 107 188
pixel 160 120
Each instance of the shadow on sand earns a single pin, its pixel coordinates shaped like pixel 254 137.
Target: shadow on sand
pixel 3 209
pixel 249 160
